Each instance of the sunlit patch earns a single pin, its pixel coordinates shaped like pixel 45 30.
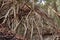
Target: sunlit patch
pixel 43 2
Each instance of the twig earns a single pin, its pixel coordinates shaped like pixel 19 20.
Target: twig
pixel 17 25
pixel 54 11
pixel 26 27
pixel 4 4
pixel 7 15
pixel 32 29
pixel 15 18
pixel 39 18
pixel 38 30
pixel 25 30
pixel 2 17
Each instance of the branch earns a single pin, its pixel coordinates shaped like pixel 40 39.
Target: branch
pixel 58 14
